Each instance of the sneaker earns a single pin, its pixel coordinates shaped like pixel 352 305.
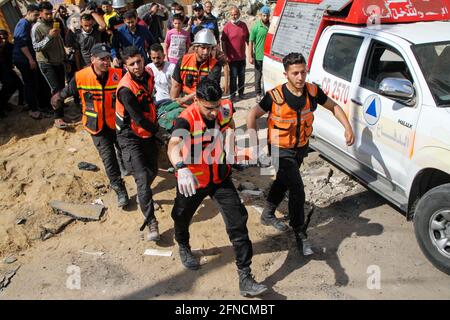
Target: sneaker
pixel 248 287
pixel 187 257
pixel 153 231
pixel 307 248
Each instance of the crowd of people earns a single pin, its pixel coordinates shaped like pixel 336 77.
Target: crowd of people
pixel 134 78
pixel 52 43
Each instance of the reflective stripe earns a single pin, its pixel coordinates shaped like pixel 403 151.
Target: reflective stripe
pixel 224 121
pixel 118 116
pixel 90 114
pixel 198 173
pixel 279 119
pixel 197 133
pixel 118 127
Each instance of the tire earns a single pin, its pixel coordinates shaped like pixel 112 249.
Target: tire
pixel 432 226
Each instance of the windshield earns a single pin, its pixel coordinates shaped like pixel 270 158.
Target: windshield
pixel 434 60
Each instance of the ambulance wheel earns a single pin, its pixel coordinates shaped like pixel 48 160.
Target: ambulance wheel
pixel 432 226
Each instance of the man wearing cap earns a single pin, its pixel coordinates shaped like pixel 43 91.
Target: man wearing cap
pixel 200 21
pixel 96 86
pixel 258 35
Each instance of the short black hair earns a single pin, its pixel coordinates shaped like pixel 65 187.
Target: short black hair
pixel 32 7
pixel 174 4
pixel 130 14
pixel 177 16
pixel 4 32
pixel 87 17
pixel 130 52
pixel 106 3
pixel 293 58
pixel 45 5
pixel 156 47
pixel 209 90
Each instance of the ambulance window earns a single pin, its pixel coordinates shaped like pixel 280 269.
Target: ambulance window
pixel 382 62
pixel 341 54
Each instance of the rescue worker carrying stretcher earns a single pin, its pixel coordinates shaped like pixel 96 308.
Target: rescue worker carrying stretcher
pixel 188 72
pixel 197 151
pixel 136 128
pixel 291 109
pixel 96 86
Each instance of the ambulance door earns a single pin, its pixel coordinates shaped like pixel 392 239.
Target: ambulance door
pixel 332 70
pixel 384 128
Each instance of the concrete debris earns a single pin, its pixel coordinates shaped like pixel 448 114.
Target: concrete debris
pixel 72 150
pixel 157 252
pixel 9 260
pixel 98 201
pixel 83 212
pixel 56 225
pixel 247 186
pixel 256 193
pixel 5 279
pixel 21 221
pixel 93 253
pixel 258 209
pixel 87 166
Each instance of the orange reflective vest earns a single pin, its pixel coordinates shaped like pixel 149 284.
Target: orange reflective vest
pixel 203 152
pixel 191 74
pixel 98 103
pixel 144 97
pixel 288 128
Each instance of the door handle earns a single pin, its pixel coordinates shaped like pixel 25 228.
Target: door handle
pixel 357 102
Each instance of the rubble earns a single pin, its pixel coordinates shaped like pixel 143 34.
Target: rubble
pixel 5 279
pixel 83 212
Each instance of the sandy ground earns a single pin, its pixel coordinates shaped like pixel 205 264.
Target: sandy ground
pixel 353 230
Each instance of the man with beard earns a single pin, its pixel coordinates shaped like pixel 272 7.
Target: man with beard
pixel 162 71
pixel 137 126
pixel 199 21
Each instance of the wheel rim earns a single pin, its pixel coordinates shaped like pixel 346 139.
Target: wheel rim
pixel 439 229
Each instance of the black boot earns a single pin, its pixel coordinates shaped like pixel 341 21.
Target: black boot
pixel 268 218
pixel 303 244
pixel 122 195
pixel 187 257
pixel 248 287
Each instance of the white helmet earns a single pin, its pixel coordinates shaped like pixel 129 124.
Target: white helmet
pixel 117 4
pixel 205 37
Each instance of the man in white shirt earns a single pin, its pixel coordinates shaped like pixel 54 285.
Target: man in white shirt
pixel 162 71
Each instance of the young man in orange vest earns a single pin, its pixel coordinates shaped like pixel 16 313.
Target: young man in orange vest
pixel 197 151
pixel 96 86
pixel 136 128
pixel 290 121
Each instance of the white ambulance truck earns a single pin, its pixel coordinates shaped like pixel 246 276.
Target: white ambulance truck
pixel 387 63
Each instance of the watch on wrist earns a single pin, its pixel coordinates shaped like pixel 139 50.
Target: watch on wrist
pixel 180 165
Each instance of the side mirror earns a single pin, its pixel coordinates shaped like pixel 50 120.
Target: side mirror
pixel 400 90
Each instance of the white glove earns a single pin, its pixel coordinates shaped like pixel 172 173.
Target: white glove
pixel 186 182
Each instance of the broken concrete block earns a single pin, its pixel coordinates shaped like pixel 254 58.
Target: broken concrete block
pixel 252 192
pixel 83 212
pixel 55 226
pixel 5 279
pixel 247 186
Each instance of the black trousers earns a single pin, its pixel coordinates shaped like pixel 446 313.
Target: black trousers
pixel 258 76
pixel 36 91
pixel 141 158
pixel 237 77
pixel 56 77
pixel 289 179
pixel 233 212
pixel 105 142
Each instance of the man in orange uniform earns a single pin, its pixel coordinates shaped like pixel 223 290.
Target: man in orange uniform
pixel 96 86
pixel 202 171
pixel 291 106
pixel 136 128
